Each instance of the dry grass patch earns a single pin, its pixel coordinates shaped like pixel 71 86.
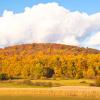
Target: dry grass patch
pixel 60 91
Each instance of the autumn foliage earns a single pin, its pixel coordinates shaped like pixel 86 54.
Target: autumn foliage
pixel 40 61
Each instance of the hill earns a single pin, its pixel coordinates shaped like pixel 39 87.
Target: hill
pixel 38 61
pixel 48 48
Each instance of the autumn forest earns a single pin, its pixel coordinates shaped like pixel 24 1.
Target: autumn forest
pixel 43 61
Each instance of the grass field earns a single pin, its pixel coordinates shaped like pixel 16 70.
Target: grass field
pixel 14 83
pixel 76 82
pixel 69 88
pixel 43 98
pixel 79 91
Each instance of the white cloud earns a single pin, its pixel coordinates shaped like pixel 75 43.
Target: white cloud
pixel 49 23
pixel 95 39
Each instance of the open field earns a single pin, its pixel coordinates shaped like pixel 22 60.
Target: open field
pixel 43 98
pixel 76 82
pixel 79 91
pixel 16 83
pixel 68 88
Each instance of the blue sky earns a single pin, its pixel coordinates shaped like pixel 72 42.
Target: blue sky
pixel 88 6
pixel 72 22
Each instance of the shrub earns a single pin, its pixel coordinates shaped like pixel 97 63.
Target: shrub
pixel 3 76
pixel 98 81
pixel 46 84
pixel 83 82
pixel 92 84
pixel 27 82
pixel 79 75
pixel 48 72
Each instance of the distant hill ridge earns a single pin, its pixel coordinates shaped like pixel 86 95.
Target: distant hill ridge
pixel 48 48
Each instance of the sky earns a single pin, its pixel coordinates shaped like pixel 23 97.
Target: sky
pixel 89 6
pixel 71 22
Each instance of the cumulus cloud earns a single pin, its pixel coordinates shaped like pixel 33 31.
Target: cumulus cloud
pixel 49 23
pixel 95 39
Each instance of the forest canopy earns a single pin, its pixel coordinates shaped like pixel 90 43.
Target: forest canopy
pixel 41 61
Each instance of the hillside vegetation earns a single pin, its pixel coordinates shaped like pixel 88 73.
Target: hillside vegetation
pixel 42 61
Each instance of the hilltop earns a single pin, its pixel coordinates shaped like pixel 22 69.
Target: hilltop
pixel 48 48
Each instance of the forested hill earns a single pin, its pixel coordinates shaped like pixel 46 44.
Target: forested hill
pixel 47 48
pixel 38 61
